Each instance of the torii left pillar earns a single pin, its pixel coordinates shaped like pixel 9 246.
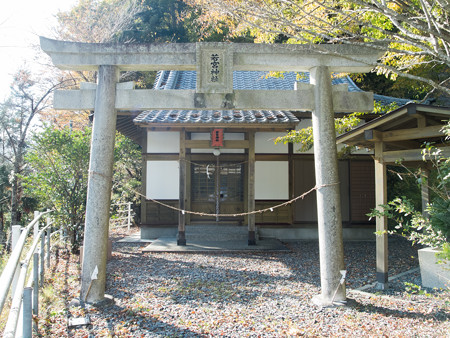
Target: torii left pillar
pixel 99 186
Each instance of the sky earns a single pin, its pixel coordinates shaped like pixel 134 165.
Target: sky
pixel 21 23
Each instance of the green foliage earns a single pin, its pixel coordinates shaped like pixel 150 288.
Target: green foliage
pixel 444 255
pixel 411 223
pixel 439 210
pixel 411 288
pixel 158 21
pixel 58 161
pixel 401 86
pixel 304 136
pixel 127 173
pixel 5 187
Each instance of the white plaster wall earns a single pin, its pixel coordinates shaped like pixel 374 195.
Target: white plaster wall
pixel 234 136
pixel 226 136
pixel 163 180
pixel 163 142
pixel 264 143
pixel 271 180
pixel 200 136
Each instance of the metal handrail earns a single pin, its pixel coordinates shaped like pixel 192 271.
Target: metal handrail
pixel 11 324
pixel 129 211
pixel 10 269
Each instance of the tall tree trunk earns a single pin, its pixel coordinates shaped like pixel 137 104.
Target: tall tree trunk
pixel 15 189
pixel 15 192
pixel 2 232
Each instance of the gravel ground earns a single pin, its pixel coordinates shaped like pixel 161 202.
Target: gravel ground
pixel 248 295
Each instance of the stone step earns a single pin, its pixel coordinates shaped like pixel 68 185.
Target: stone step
pixel 216 232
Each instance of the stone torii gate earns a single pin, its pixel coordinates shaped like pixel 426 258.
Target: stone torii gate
pixel 214 63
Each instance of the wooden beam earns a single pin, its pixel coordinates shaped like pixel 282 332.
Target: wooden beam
pixel 425 191
pixel 400 145
pixel 291 181
pixel 231 157
pixel 161 157
pixel 381 222
pixel 181 240
pixel 188 204
pixel 403 134
pixel 373 135
pixel 272 157
pixel 144 181
pixel 393 122
pixel 410 155
pixel 251 189
pixel 421 121
pixel 228 144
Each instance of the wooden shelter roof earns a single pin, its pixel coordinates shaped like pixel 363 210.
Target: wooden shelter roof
pixel 402 132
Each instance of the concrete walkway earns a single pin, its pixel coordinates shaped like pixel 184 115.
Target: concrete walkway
pixel 169 244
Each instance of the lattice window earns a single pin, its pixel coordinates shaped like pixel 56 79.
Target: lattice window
pixel 232 182
pixel 203 182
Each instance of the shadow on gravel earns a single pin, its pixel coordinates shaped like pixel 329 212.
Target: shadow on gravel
pixel 138 318
pixel 223 278
pixel 187 282
pixel 440 315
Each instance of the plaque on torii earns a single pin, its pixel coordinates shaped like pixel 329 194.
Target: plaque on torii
pixel 214 63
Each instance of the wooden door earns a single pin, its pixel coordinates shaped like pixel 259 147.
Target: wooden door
pixel 217 188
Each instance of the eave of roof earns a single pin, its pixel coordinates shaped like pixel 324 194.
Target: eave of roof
pixel 226 118
pixel 398 119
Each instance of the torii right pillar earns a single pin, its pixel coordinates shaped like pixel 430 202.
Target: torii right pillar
pixel 328 195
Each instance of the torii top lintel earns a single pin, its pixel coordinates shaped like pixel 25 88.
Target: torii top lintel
pixel 183 56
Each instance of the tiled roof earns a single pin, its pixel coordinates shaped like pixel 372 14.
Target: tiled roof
pixel 216 117
pixel 258 80
pixel 242 80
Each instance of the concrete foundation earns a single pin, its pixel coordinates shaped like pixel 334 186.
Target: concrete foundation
pixel 434 275
pixel 282 234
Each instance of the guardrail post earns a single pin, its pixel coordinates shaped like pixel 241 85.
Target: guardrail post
pixel 26 312
pixel 36 284
pixel 129 215
pixel 36 226
pixel 15 234
pixel 42 256
pixel 49 232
